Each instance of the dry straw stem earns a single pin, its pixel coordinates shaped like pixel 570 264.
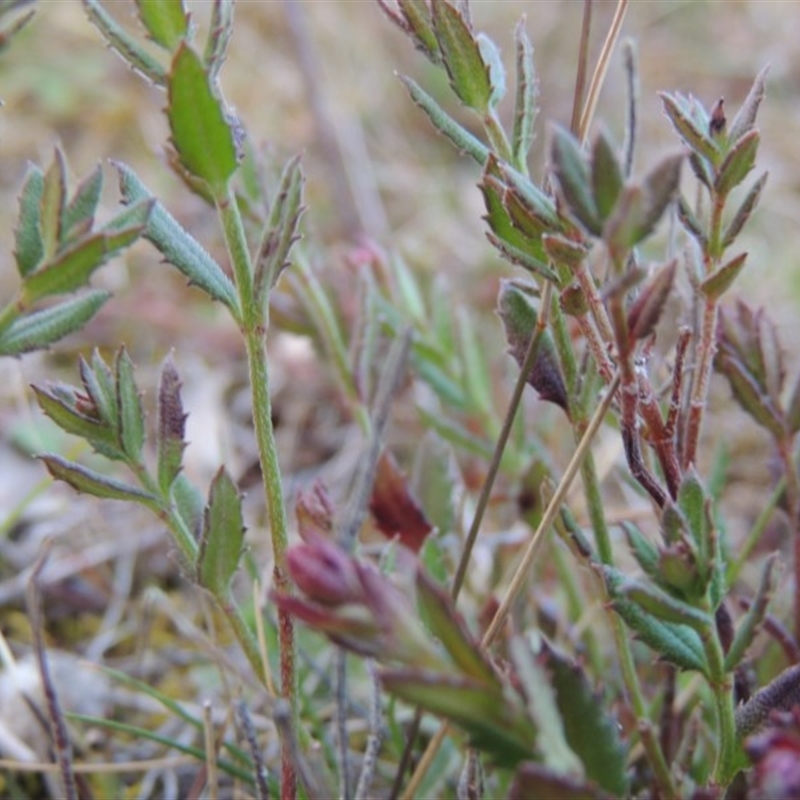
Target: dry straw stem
pixel 523 569
pixel 599 75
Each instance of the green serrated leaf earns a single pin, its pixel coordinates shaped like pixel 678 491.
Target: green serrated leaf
pixel 692 503
pixel 79 214
pixel 663 606
pixel 42 328
pixel 69 271
pixel 741 158
pixel 200 131
pixel 678 644
pixel 222 536
pixel 28 244
pixel 591 732
pixel 129 405
pixel 449 629
pixel 607 176
pixel 493 727
pixel 121 41
pixel 51 207
pixel 97 432
pixel 417 15
pixel 464 141
pixel 166 21
pixel 180 248
pixel 525 108
pixel 698 139
pixel 171 425
pixel 571 170
pixel 462 58
pixel 716 284
pixel 88 481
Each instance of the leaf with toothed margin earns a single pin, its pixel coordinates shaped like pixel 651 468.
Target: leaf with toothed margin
pixel 167 23
pixel 88 481
pixel 678 644
pixel 42 328
pixel 129 404
pixel 28 244
pixel 222 536
pixel 200 131
pixel 178 246
pixel 525 98
pixel 464 141
pixel 461 54
pixel 125 44
pixel 79 212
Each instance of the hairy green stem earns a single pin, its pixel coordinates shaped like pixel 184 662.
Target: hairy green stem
pixel 254 325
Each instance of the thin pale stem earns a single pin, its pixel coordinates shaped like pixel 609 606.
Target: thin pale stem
pixel 599 75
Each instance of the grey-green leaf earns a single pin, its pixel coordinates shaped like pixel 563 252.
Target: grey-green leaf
pixel 88 481
pixel 28 244
pixel 129 408
pixel 79 213
pixel 464 141
pixel 42 328
pixel 125 44
pixel 571 170
pixel 607 177
pixel 222 536
pixel 178 246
